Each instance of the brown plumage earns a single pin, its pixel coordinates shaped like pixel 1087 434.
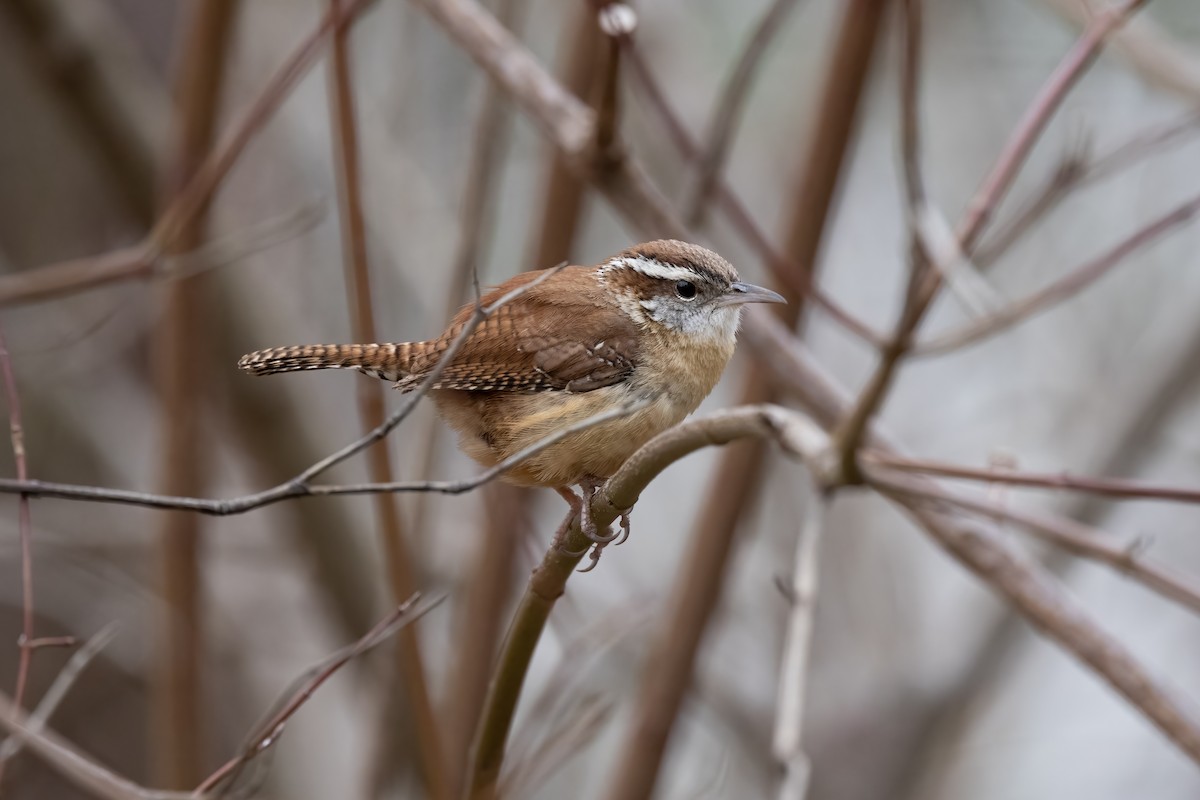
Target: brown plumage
pixel 579 343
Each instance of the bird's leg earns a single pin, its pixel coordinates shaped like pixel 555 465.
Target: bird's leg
pixel 589 485
pixel 577 505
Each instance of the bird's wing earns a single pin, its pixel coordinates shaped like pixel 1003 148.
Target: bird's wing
pixel 531 345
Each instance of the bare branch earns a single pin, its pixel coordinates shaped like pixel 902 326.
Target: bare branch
pixel 727 113
pixel 16 433
pixel 265 735
pixel 1072 536
pixel 58 690
pixel 1056 614
pixel 1008 163
pixel 1063 289
pixel 1109 487
pixel 795 432
pixel 140 261
pixel 787 746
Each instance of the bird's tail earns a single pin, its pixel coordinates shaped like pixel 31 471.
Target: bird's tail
pixel 390 361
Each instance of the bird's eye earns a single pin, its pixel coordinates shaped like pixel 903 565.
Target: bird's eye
pixel 686 290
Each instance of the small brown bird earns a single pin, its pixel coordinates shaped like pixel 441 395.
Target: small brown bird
pixel 655 323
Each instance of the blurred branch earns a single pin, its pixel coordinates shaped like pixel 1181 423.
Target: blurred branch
pixel 563 190
pixel 91 776
pixel 786 271
pixel 728 111
pixel 926 282
pixel 177 723
pixel 398 558
pixel 16 432
pixel 54 696
pixel 1049 607
pixel 1066 533
pixel 299 486
pixel 736 480
pixel 267 734
pixel 1077 169
pixel 1031 590
pixel 549 579
pixel 86 56
pixel 1063 289
pixel 787 745
pixel 490 143
pixel 1110 487
pixel 79 769
pixel 1162 60
pixel 617 21
pixel 140 261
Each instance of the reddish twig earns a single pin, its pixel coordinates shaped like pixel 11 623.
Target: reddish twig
pixel 1063 289
pixel 267 734
pixel 785 269
pixel 144 260
pixel 1074 537
pixel 927 281
pixel 1109 487
pixel 1077 170
pixel 728 110
pixel 401 572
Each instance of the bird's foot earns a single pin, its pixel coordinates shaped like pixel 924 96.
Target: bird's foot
pixel 589 486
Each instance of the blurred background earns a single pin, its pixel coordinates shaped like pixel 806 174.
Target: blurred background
pixel 923 683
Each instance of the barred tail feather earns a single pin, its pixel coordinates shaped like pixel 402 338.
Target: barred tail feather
pixel 389 361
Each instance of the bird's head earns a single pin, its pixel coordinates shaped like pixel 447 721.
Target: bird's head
pixel 681 287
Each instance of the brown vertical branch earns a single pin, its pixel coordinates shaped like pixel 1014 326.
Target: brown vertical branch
pixel 733 484
pixel 488 592
pixel 88 89
pixel 401 570
pixel 181 377
pixel 564 188
pixel 489 145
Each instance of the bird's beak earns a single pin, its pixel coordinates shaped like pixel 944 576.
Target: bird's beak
pixel 741 292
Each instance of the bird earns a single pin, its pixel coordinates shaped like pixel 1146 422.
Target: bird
pixel 653 325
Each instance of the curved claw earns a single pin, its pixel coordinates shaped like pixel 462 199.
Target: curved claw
pixel 595 559
pixel 624 527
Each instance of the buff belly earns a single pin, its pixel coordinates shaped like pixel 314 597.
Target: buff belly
pixel 493 426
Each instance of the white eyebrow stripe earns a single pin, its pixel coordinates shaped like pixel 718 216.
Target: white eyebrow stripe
pixel 654 269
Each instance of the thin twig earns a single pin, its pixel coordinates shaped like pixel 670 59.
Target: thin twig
pixel 728 110
pixel 267 734
pixel 1074 537
pixel 73 765
pixel 785 268
pixel 16 433
pixel 1108 487
pixel 926 282
pixel 1062 289
pixel 143 260
pixel 549 579
pixel 1047 604
pixel 58 690
pixel 301 488
pixel 787 745
pixel 398 557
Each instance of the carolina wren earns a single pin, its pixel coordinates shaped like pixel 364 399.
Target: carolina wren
pixel 655 323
